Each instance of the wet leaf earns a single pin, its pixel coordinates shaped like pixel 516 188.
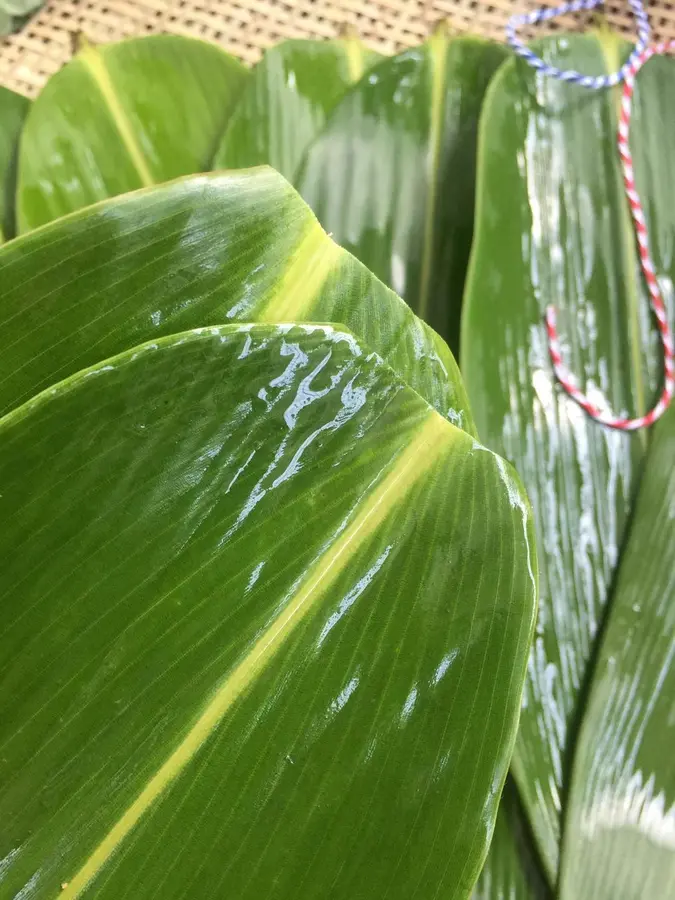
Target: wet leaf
pixel 554 228
pixel 236 246
pixel 392 174
pixel 252 645
pixel 286 101
pixel 13 109
pixel 511 871
pixel 620 826
pixel 123 116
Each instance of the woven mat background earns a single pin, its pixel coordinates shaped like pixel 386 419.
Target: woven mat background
pixel 246 27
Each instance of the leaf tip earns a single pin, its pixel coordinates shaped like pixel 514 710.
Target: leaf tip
pixel 442 30
pixel 599 22
pixel 79 42
pixel 348 32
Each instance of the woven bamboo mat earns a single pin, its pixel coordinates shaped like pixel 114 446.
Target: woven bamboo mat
pixel 246 27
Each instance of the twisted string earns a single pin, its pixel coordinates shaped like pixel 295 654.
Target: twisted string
pixel 627 74
pixel 588 81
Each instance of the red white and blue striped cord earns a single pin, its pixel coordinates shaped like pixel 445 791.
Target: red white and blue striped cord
pixel 627 73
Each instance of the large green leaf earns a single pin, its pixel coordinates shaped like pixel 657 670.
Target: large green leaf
pixel 286 101
pixel 620 826
pixel 123 116
pixel 553 228
pixel 13 109
pixel 392 174
pixel 236 246
pixel 511 870
pixel 266 617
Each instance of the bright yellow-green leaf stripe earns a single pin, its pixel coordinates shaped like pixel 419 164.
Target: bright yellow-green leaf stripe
pixel 438 53
pixel 93 62
pixel 429 444
pixel 303 278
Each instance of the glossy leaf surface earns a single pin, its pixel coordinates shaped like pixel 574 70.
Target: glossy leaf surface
pixel 236 246
pixel 511 871
pixel 13 109
pixel 266 617
pixel 620 831
pixel 286 101
pixel 554 228
pixel 392 174
pixel 124 116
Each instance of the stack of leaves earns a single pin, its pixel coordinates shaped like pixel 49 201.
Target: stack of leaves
pixel 268 600
pixel 593 760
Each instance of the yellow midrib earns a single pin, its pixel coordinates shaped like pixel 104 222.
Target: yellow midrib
pixel 294 294
pixel 610 46
pixel 431 442
pixel 438 56
pixel 355 58
pixel 92 60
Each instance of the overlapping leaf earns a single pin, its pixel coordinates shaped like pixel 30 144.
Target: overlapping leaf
pixel 392 174
pixel 554 228
pixel 123 116
pixel 286 101
pixel 620 829
pixel 511 871
pixel 228 247
pixel 13 109
pixel 251 646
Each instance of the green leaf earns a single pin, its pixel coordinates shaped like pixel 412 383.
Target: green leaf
pixel 286 102
pixel 123 116
pixel 265 625
pixel 20 7
pixel 13 109
pixel 237 246
pixel 392 174
pixel 511 871
pixel 553 227
pixel 620 825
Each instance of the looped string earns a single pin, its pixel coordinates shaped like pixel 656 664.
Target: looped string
pixel 627 73
pixel 569 75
